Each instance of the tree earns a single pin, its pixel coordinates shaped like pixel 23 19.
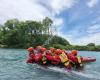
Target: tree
pixel 91 44
pixel 47 23
pixel 11 24
pixel 15 33
pixel 59 40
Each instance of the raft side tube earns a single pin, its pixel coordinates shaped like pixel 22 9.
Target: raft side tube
pixel 88 59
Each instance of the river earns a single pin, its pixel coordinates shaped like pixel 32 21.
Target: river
pixel 13 67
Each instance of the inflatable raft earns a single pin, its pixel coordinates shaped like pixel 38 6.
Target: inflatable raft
pixel 88 59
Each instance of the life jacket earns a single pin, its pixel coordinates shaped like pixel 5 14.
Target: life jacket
pixel 64 59
pixel 48 53
pixel 44 59
pixel 56 60
pixel 72 58
pixel 30 53
pixel 79 60
pixel 38 57
pixel 32 56
pixel 49 57
pixel 29 60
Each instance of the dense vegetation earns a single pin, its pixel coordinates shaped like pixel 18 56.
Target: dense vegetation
pixel 23 34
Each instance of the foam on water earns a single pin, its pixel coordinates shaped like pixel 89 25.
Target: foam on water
pixel 87 73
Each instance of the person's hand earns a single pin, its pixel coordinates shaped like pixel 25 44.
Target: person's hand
pixel 81 65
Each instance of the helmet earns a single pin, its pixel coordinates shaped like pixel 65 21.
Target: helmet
pixel 52 49
pixel 64 51
pixel 43 49
pixel 74 52
pixel 58 51
pixel 39 47
pixel 30 49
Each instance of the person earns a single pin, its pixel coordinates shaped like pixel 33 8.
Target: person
pixel 76 60
pixel 37 49
pixel 31 55
pixel 52 49
pixel 49 57
pixel 43 52
pixel 56 59
pixel 64 59
pixel 30 50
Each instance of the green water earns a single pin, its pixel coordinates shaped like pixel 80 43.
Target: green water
pixel 13 67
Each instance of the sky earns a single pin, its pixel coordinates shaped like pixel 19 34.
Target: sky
pixel 78 21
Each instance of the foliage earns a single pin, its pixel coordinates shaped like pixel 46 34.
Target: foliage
pixel 59 40
pixel 91 44
pixel 23 34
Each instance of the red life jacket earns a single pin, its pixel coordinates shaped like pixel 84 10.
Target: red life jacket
pixel 29 60
pixel 38 57
pixel 48 53
pixel 72 57
pixel 32 56
pixel 49 57
pixel 53 59
pixel 56 60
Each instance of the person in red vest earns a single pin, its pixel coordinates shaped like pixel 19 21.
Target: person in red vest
pixel 43 52
pixel 75 59
pixel 56 60
pixel 52 49
pixel 31 55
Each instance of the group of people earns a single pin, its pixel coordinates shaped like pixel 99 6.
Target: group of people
pixel 55 57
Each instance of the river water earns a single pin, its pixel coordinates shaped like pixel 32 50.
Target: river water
pixel 13 67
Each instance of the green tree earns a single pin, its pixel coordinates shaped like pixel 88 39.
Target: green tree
pixel 59 40
pixel 91 44
pixel 47 23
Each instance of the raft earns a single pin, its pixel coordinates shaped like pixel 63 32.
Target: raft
pixel 88 59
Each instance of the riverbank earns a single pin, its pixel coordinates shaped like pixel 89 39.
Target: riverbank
pixel 3 46
pixel 58 46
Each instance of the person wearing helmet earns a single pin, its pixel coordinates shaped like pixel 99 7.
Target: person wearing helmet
pixel 38 49
pixel 38 54
pixel 43 52
pixel 49 57
pixel 31 51
pixel 56 59
pixel 64 60
pixel 52 51
pixel 58 51
pixel 52 58
pixel 75 59
pixel 31 55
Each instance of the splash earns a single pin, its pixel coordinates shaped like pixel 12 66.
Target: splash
pixel 87 73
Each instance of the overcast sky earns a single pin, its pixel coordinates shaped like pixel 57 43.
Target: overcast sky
pixel 76 20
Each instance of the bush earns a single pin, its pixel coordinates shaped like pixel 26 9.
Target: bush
pixel 59 46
